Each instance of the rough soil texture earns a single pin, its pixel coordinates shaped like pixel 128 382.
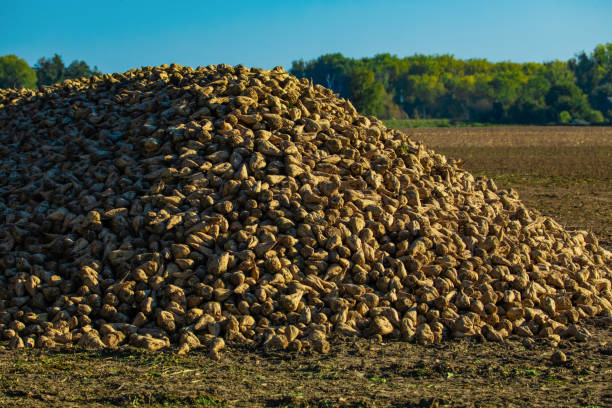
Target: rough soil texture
pixel 360 374
pixel 564 172
pixel 456 373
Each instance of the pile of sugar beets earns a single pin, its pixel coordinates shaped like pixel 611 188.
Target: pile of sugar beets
pixel 172 206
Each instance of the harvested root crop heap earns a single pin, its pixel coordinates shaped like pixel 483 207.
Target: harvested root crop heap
pixel 172 206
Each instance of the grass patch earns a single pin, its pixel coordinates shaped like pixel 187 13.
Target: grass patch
pixel 435 123
pixel 173 400
pixel 540 179
pixel 205 401
pixel 416 123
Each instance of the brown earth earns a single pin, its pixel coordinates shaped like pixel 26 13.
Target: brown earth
pixel 564 172
pixel 457 373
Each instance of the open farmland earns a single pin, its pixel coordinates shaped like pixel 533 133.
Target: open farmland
pixel 563 172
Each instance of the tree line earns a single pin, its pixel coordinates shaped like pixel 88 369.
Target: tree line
pixel 423 86
pixel 473 90
pixel 16 73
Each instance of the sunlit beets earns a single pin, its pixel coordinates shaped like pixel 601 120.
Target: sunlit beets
pixel 169 206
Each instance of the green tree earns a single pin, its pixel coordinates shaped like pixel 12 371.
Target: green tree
pixel 367 94
pixel 420 93
pixel 441 86
pixel 16 73
pixel 330 70
pixel 594 116
pixel 80 69
pixel 565 117
pixel 506 87
pixel 593 73
pixel 564 94
pixel 50 70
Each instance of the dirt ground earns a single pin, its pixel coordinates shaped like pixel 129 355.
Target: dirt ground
pixel 465 373
pixel 565 173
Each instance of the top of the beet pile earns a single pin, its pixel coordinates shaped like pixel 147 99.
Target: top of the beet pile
pixel 193 207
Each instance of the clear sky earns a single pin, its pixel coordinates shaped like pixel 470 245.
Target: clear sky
pixel 117 35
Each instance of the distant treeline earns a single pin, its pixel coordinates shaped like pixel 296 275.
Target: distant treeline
pixel 423 86
pixel 474 90
pixel 16 73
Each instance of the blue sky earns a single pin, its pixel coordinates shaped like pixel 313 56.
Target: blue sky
pixel 117 35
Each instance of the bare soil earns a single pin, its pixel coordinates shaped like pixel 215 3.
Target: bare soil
pixel 463 373
pixel 563 172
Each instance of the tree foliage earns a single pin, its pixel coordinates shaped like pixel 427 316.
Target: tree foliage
pixel 476 90
pixel 52 70
pixel 366 91
pixel 16 73
pixel 423 86
pixel 594 76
